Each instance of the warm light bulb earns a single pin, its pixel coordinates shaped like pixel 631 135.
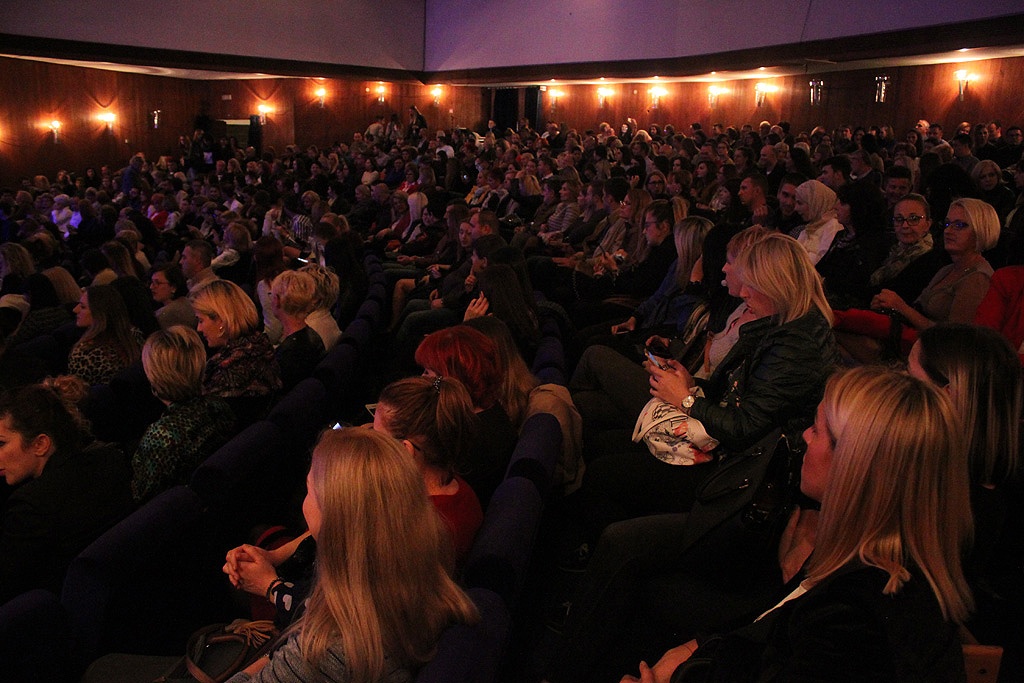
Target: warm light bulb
pixel 321 92
pixel 55 124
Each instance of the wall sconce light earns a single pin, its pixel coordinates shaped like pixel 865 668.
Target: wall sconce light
pixel 381 91
pixel 816 86
pixel 881 88
pixel 761 91
pixel 55 129
pixel 437 92
pixel 155 116
pixel 713 92
pixel 108 118
pixel 962 79
pixel 264 110
pixel 602 96
pixel 555 95
pixel 657 93
pixel 321 95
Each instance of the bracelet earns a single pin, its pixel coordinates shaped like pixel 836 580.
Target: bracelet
pixel 270 589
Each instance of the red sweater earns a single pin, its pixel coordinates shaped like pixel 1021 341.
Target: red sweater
pixel 1002 309
pixel 463 514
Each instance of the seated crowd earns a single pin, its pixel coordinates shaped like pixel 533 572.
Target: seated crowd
pixel 731 305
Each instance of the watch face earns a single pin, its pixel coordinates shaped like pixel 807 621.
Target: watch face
pixel 688 402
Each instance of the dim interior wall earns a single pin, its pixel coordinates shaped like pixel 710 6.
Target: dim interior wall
pixel 76 96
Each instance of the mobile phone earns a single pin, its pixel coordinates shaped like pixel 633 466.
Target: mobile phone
pixel 654 359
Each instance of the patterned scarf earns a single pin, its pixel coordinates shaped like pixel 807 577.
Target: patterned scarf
pixel 900 256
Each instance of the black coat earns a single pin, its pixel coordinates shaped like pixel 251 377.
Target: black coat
pixel 47 521
pixel 843 629
pixel 778 384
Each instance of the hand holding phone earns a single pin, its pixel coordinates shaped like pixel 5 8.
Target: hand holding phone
pixel 657 361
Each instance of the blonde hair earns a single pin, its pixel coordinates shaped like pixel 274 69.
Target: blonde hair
pixel 16 259
pixel 778 267
pixel 897 493
pixel 328 284
pixel 742 240
pixel 983 219
pixel 689 234
pixel 174 361
pixel 531 186
pixel 68 291
pixel 383 553
pixel 227 303
pixel 296 292
pixel 680 208
pixel 238 236
pixel 417 202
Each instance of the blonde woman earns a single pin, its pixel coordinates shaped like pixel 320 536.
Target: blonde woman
pixel 191 427
pixel 327 289
pixel 772 378
pixel 383 593
pixel 242 367
pixel 15 265
pixel 884 590
pixel 293 297
pixel 667 306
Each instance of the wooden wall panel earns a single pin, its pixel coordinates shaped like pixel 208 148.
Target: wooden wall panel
pixel 848 97
pixel 37 93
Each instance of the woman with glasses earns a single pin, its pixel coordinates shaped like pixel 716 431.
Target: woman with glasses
pixel 169 289
pixel 955 292
pixel 913 260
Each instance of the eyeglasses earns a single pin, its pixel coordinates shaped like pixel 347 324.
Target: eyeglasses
pixel 956 225
pixel 912 220
pixel 154 283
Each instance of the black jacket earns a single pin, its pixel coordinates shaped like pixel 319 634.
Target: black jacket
pixel 843 629
pixel 47 521
pixel 776 384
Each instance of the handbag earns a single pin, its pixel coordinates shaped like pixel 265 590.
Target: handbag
pixel 740 511
pixel 656 427
pixel 217 652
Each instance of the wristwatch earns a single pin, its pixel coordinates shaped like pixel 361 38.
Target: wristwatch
pixel 688 403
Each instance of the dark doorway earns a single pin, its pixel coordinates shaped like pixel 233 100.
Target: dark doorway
pixel 506 108
pixel 532 109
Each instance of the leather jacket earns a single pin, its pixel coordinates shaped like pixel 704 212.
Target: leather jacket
pixel 773 377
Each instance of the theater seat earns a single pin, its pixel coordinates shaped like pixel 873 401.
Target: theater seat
pixel 501 552
pixel 537 451
pixel 148 583
pixel 35 642
pixel 245 481
pixel 471 653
